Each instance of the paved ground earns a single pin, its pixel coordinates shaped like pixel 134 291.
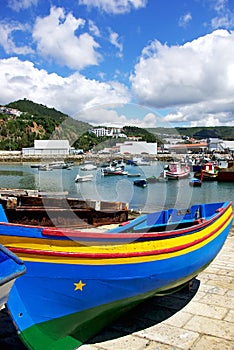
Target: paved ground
pixel 197 319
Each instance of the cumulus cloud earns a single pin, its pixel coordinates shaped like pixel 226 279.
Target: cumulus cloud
pixel 56 38
pixel 68 95
pixel 115 6
pixel 110 115
pixel 198 72
pixel 204 114
pixel 7 31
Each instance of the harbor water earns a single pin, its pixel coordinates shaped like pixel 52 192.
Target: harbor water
pixel 156 196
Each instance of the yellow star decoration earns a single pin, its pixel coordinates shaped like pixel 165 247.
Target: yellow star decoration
pixel 79 285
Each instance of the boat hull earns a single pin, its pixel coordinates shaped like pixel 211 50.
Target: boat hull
pixel 78 320
pixel 226 175
pixel 77 285
pixel 177 176
pixel 206 176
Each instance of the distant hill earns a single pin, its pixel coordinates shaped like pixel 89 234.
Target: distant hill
pixel 221 132
pixel 37 122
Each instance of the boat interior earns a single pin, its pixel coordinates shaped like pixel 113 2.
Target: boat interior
pixel 171 219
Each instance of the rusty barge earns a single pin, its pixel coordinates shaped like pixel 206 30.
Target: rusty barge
pixel 31 207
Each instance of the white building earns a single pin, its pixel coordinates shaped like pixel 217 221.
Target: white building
pixel 228 145
pixel 48 148
pixel 138 147
pixel 215 144
pixel 111 132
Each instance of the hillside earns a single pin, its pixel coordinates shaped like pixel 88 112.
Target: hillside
pixel 40 122
pixel 36 122
pixel 221 132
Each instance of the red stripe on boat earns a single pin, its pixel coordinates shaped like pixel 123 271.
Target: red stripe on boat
pixel 115 255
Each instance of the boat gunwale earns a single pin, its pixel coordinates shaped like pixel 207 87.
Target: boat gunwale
pixel 63 233
pixel 108 255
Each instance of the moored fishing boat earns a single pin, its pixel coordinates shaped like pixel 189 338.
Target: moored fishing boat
pixel 77 282
pixel 176 171
pixel 208 172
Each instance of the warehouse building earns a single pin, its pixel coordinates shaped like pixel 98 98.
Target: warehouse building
pixel 48 148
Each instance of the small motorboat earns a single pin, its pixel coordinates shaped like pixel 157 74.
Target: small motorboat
pixel 195 182
pixel 112 171
pixel 141 183
pixel 84 178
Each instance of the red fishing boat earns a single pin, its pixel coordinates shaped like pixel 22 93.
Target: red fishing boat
pixel 209 172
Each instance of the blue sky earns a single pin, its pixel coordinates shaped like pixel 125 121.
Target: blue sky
pixel 147 63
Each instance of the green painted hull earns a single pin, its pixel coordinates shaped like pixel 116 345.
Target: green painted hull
pixel 70 332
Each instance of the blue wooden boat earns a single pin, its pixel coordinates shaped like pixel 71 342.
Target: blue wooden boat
pixel 77 282
pixel 11 267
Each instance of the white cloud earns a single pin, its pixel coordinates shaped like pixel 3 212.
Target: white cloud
pixel 115 6
pixel 114 39
pixel 93 28
pixel 225 15
pixel 108 115
pixel 7 31
pixel 18 5
pixel 68 95
pixel 185 19
pixel 199 72
pixel 56 39
pixel 204 114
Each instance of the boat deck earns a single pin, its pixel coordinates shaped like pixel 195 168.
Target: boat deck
pixel 198 318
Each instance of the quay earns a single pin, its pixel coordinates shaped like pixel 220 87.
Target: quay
pixel 199 317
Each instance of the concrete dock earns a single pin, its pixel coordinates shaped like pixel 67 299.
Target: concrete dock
pixel 196 318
